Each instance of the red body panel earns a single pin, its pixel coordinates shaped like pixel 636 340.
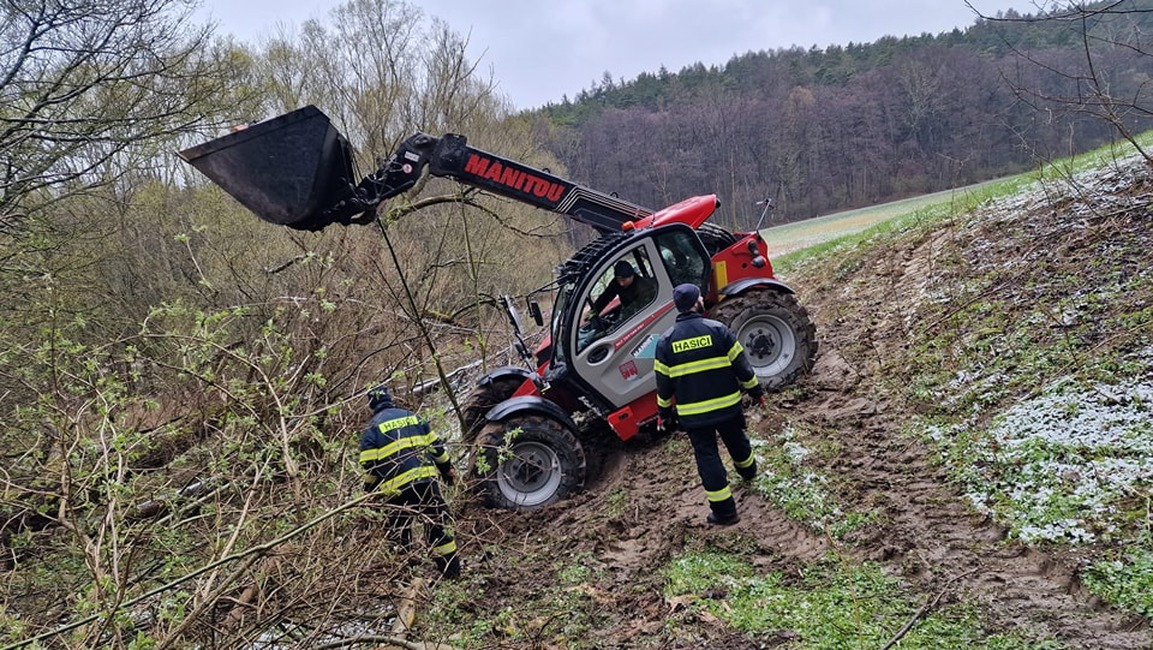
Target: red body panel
pixel 692 211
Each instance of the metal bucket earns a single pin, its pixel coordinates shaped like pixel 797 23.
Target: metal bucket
pixel 287 170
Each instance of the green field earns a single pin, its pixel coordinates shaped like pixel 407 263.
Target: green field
pixel 798 235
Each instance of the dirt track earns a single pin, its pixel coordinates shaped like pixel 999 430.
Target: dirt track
pixel 927 534
pixel 930 538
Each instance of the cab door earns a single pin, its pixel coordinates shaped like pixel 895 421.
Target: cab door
pixel 617 357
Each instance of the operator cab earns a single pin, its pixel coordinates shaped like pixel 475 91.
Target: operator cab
pixel 610 353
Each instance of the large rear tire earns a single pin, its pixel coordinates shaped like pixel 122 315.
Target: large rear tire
pixel 527 462
pixel 715 238
pixel 776 332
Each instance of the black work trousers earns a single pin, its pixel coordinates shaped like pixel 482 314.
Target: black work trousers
pixel 709 465
pixel 424 500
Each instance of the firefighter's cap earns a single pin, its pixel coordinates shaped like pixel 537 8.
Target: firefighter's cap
pixel 685 296
pixel 379 398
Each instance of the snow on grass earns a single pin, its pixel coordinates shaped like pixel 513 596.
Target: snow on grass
pixel 1074 464
pixel 784 480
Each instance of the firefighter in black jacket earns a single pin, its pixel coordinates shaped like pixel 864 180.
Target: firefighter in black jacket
pixel 402 458
pixel 701 368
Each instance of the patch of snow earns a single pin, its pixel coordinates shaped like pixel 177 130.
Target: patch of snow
pixel 1059 467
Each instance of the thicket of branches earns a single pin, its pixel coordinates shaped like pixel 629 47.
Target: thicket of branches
pixel 182 383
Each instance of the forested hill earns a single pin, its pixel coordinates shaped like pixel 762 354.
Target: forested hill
pixel 821 130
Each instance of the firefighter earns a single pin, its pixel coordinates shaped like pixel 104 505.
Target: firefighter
pixel 402 458
pixel 701 368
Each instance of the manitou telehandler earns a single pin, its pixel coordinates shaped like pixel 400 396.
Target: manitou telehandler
pixel 297 170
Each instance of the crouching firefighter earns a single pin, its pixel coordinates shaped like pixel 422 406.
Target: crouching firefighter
pixel 701 368
pixel 403 458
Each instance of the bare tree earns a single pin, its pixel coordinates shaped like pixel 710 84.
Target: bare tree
pixel 1108 79
pixel 87 85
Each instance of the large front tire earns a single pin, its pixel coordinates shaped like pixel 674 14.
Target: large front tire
pixel 527 462
pixel 776 332
pixel 483 397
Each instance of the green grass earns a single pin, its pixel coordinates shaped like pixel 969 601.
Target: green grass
pixel 830 604
pixel 792 244
pixel 1042 418
pixel 1126 580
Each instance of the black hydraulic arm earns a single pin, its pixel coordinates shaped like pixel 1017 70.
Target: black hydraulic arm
pixel 451 156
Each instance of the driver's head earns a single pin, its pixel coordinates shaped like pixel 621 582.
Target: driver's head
pixel 624 273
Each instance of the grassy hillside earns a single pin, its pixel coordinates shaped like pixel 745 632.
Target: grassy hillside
pixel 968 466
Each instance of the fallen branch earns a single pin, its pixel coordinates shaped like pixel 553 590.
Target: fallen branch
pixel 925 609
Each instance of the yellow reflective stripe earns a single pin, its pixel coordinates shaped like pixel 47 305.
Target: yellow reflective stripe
pixel 664 403
pixel 445 549
pixel 707 406
pixel 394 485
pixel 735 350
pixel 719 495
pixel 392 448
pixel 750 384
pixel 398 423
pixel 443 458
pixel 660 368
pixel 744 464
pixel 693 367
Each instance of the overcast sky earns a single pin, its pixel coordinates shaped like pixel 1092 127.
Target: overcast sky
pixel 541 50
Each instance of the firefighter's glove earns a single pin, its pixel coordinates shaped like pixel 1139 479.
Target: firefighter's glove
pixel 448 475
pixel 666 421
pixel 758 396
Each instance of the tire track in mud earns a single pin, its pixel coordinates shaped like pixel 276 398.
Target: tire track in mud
pixel 929 534
pixel 674 508
pixel 933 539
pixel 645 507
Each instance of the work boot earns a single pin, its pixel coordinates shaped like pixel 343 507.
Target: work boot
pixel 748 473
pixel 449 566
pixel 718 520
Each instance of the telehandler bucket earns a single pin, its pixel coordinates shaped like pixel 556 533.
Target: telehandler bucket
pixel 287 170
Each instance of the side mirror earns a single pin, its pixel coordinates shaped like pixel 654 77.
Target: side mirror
pixel 534 311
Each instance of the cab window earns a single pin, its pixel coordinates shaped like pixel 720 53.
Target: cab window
pixel 624 288
pixel 684 258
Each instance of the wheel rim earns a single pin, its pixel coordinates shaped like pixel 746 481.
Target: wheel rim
pixel 531 475
pixel 769 344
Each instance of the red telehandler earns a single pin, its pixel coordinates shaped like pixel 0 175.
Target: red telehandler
pixel 297 170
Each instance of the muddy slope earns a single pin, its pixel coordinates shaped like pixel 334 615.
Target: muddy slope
pixel 646 505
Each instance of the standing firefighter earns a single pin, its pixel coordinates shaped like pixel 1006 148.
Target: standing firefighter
pixel 402 458
pixel 702 368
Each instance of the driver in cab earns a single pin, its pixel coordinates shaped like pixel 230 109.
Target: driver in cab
pixel 634 291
